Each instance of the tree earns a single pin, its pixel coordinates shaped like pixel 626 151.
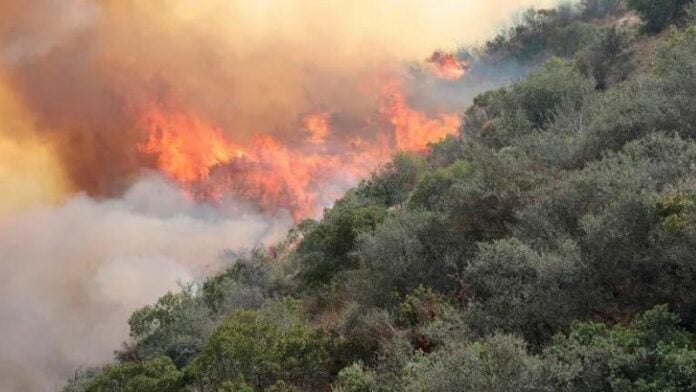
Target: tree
pixel 516 290
pixel 657 14
pixel 652 354
pixel 261 349
pixel 499 363
pixel 154 375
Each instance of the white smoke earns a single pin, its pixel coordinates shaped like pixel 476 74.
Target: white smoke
pixel 71 275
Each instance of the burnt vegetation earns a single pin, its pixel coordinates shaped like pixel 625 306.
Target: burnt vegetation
pixel 550 247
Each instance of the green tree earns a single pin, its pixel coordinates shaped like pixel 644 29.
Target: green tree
pixel 154 375
pixel 657 14
pixel 261 349
pixel 652 354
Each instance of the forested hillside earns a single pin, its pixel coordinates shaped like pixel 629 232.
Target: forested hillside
pixel 551 246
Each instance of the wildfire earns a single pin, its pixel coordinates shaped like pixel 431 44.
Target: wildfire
pixel 211 166
pixel 186 147
pixel 447 66
pixel 414 130
pixel 317 126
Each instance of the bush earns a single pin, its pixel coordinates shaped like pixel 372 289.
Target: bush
pixel 652 354
pixel 516 290
pixel 431 190
pixel 355 379
pixel 598 8
pixel 153 375
pixel 327 247
pixel 529 104
pixel 260 350
pixel 497 364
pixel 245 284
pixel 608 58
pixel 658 14
pixel 538 95
pixel 392 183
pixel 406 251
pixel 176 326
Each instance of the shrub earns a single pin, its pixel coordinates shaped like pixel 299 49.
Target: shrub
pixel 652 354
pixel 355 378
pixel 406 251
pixel 153 375
pixel 260 351
pixel 516 290
pixel 497 364
pixel 327 248
pixel 658 14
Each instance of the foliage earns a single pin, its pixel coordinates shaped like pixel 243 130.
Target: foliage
pixel 354 378
pixel 659 13
pixel 652 354
pixel 328 246
pixel 261 351
pixel 154 375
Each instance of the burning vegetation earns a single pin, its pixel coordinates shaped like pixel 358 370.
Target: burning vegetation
pixel 211 166
pixel 447 66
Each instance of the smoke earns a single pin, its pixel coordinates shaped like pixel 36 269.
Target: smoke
pixel 87 69
pixel 268 109
pixel 71 275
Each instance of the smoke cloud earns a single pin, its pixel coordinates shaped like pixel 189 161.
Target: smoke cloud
pixel 87 69
pixel 71 275
pixel 254 113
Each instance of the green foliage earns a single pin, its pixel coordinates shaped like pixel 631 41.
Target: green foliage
pixel 515 289
pixel 406 251
pixel 658 14
pixel 652 354
pixel 176 326
pixel 501 117
pixel 496 364
pixel 420 307
pixel 542 92
pixel 392 183
pixel 571 38
pixel 260 351
pixel 528 40
pixel 431 190
pixel 607 59
pixel 355 378
pixel 154 375
pixel 244 284
pixel 327 247
pixel 598 8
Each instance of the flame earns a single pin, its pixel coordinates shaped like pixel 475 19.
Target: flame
pixel 186 147
pixel 211 166
pixel 275 176
pixel 414 130
pixel 317 126
pixel 447 66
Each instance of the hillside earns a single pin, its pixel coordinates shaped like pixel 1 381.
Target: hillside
pixel 549 246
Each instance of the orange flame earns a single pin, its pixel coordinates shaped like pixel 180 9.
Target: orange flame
pixel 186 147
pixel 414 130
pixel 447 66
pixel 317 126
pixel 211 167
